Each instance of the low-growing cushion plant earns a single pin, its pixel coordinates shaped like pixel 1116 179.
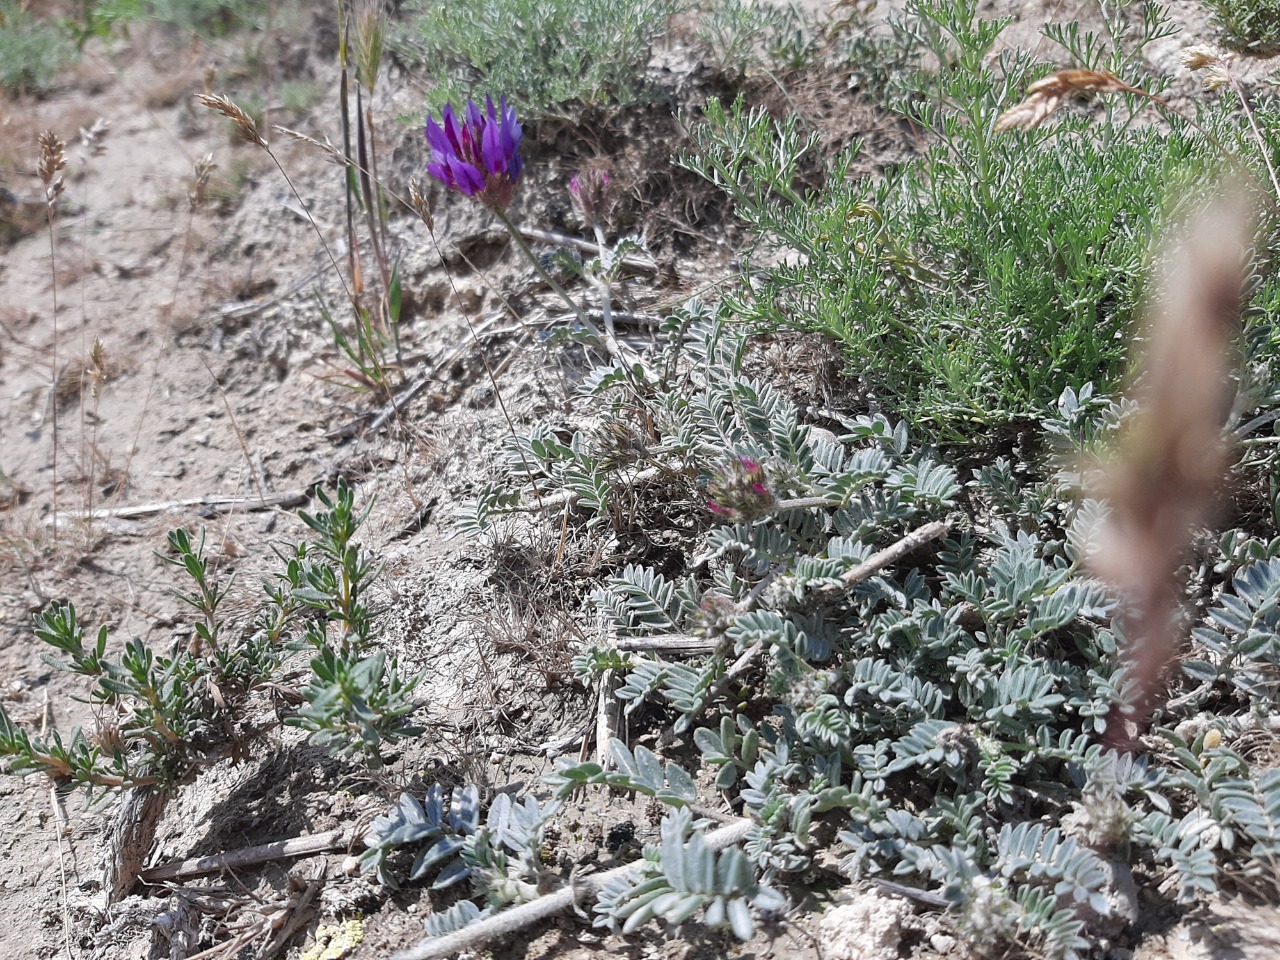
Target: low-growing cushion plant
pixel 32 50
pixel 936 719
pixel 1252 25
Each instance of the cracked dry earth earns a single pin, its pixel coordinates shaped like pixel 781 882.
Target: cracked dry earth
pixel 168 366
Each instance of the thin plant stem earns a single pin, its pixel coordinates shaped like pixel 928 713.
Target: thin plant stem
pixel 315 226
pixel 542 272
pixel 602 281
pixel 53 378
pixel 1238 87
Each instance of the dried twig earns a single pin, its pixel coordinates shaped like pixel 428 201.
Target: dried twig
pixel 339 839
pixel 517 918
pixel 878 561
pixel 300 913
pixel 290 498
pixel 673 644
pixel 868 568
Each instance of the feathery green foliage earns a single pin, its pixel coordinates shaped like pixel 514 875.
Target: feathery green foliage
pixel 975 284
pixel 542 55
pixel 32 50
pixel 1252 25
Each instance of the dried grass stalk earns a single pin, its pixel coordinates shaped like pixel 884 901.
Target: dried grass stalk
pixel 1162 478
pixel 1047 95
pixel 246 126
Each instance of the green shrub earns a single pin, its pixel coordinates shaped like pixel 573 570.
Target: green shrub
pixel 215 17
pixel 999 269
pixel 1252 25
pixel 742 36
pixel 166 718
pixel 541 54
pixel 32 51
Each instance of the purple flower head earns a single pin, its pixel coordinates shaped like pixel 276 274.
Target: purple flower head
pixel 479 155
pixel 740 491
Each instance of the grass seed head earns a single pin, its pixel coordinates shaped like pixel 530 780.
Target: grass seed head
pixel 246 126
pixel 331 152
pixel 1047 95
pixel 419 204
pixel 53 159
pixel 1198 57
pixel 198 192
pixel 91 137
pixel 1216 65
pixel 370 29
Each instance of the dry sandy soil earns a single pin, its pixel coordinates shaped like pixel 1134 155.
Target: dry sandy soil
pixel 219 378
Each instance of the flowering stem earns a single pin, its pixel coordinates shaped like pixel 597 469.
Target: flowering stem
pixel 1238 87
pixel 602 281
pixel 1169 109
pixel 547 278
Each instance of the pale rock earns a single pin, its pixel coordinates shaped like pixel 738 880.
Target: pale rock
pixel 869 927
pixel 942 943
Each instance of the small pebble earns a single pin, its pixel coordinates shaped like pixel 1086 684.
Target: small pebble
pixel 942 943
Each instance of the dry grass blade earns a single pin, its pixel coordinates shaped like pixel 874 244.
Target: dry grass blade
pixel 1047 95
pixel 1161 481
pixel 246 126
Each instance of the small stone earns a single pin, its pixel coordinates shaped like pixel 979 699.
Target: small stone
pixel 351 866
pixel 867 928
pixel 942 943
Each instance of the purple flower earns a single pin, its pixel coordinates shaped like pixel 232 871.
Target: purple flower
pixel 740 491
pixel 480 155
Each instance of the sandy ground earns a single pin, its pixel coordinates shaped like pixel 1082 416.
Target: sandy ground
pixel 218 378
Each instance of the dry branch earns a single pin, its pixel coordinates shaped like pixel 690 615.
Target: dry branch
pixel 673 644
pixel 511 921
pixel 878 561
pixel 867 568
pixel 339 839
pixel 630 261
pixel 290 498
